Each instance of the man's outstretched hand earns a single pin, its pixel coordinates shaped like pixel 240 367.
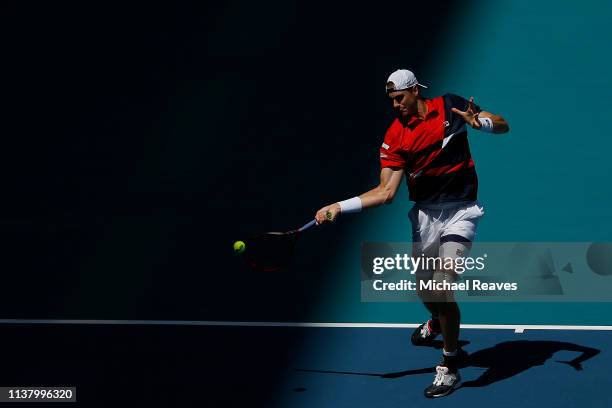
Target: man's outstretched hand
pixel 328 213
pixel 470 116
pixel 574 365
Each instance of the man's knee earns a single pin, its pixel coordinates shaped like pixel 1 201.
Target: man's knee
pixel 436 296
pixel 437 289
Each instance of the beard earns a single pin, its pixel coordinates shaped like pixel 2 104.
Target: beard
pixel 403 115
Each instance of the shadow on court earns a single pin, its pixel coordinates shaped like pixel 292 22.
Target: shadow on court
pixel 510 358
pixel 501 361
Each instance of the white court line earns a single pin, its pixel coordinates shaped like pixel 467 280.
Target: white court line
pixel 516 327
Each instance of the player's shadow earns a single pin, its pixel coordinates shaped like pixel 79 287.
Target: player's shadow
pixel 501 361
pixel 507 359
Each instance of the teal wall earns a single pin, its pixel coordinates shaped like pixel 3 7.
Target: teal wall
pixel 545 67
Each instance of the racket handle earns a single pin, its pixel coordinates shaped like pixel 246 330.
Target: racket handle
pixel 306 226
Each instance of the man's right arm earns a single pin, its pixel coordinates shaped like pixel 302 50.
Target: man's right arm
pixel 384 193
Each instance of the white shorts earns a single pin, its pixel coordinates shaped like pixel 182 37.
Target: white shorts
pixel 445 230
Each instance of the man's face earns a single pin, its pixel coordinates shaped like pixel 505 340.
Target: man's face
pixel 405 102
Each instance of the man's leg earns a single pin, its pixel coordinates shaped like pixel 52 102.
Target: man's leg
pixel 455 242
pixel 425 239
pixel 428 331
pixel 447 374
pixel 450 318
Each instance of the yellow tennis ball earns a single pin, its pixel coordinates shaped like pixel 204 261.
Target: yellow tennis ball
pixel 239 247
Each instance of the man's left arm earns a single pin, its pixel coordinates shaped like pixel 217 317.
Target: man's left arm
pixel 499 124
pixel 482 120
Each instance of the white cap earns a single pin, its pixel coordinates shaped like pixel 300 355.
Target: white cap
pixel 402 79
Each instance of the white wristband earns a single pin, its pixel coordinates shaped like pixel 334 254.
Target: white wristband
pixel 351 205
pixel 486 124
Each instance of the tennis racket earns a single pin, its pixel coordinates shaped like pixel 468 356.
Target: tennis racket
pixel 272 251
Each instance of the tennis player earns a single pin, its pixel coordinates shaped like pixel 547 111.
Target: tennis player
pixel 428 143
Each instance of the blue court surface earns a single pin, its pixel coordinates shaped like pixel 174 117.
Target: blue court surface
pixel 379 367
pixel 250 364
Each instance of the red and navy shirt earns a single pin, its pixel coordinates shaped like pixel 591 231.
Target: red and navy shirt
pixel 434 152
